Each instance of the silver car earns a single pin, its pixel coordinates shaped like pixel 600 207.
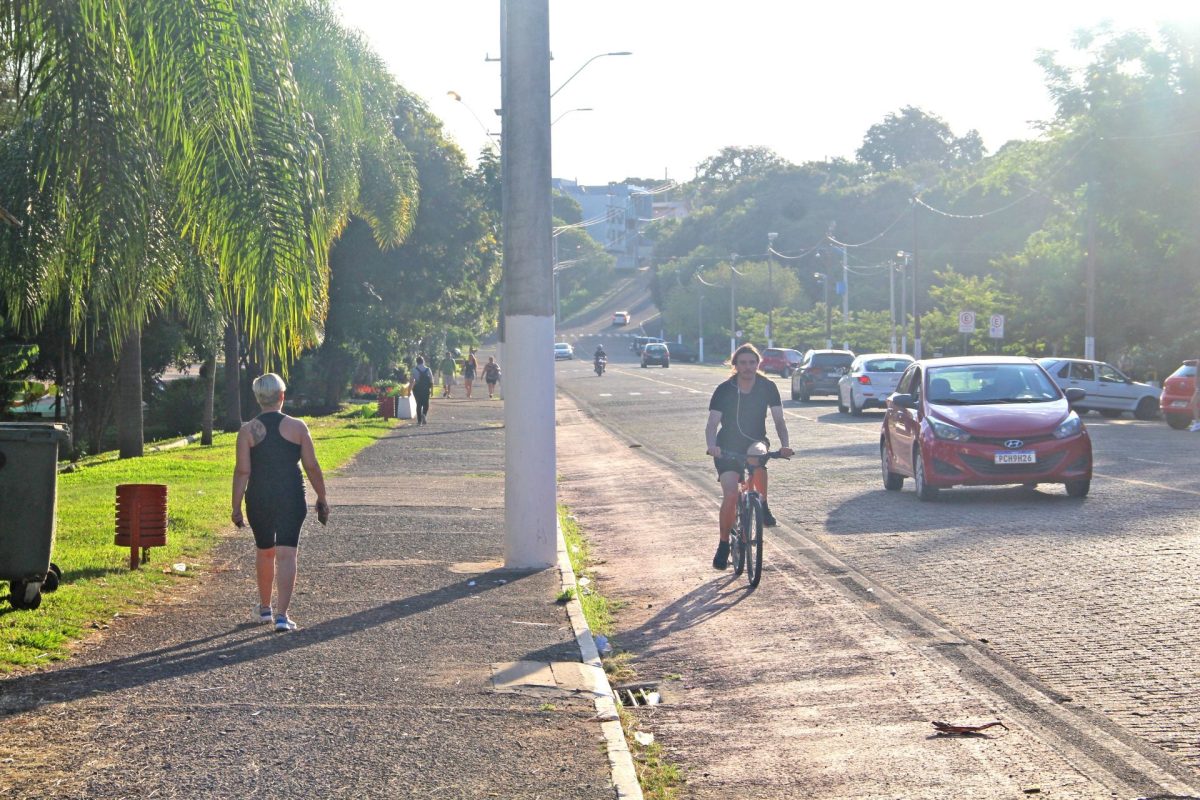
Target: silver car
pixel 870 380
pixel 1108 389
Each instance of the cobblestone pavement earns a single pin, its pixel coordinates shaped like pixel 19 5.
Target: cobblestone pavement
pixel 1096 599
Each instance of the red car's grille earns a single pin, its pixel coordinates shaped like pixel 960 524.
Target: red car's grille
pixel 1025 440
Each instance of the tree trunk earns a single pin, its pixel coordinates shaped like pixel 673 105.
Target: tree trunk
pixel 129 397
pixel 210 391
pixel 233 398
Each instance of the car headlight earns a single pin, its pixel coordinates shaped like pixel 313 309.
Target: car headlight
pixel 1069 426
pixel 944 430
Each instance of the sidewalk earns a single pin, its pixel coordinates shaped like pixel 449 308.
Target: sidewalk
pixel 386 690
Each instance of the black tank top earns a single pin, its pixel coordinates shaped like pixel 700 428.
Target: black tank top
pixel 274 462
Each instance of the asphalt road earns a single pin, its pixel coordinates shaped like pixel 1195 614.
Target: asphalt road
pixel 1095 600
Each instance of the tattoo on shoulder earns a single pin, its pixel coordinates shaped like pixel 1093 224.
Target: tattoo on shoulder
pixel 257 430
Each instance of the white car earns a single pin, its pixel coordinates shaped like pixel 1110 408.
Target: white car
pixel 620 318
pixel 1108 389
pixel 870 380
pixel 563 350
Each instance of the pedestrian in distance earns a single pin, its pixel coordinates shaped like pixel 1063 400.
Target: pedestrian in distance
pixel 491 375
pixel 270 449
pixel 447 368
pixel 470 366
pixel 422 388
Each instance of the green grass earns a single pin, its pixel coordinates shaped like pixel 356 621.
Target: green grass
pixel 97 582
pixel 659 778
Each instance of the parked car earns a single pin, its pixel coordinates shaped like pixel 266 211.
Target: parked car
pixel 983 420
pixel 819 372
pixel 656 353
pixel 1178 396
pixel 620 318
pixel 781 361
pixel 683 352
pixel 1109 391
pixel 871 378
pixel 563 350
pixel 641 341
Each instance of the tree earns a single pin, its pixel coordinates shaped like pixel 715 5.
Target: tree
pixel 915 137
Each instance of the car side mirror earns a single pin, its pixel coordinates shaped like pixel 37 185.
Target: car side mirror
pixel 903 400
pixel 1075 394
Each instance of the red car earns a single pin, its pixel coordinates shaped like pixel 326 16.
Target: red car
pixel 780 361
pixel 1178 396
pixel 981 420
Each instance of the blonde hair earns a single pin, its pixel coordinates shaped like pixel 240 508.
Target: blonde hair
pixel 268 389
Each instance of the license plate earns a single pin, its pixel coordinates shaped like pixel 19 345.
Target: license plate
pixel 1016 458
pixel 1179 403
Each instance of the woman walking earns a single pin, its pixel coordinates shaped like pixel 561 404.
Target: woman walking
pixel 270 449
pixel 491 374
pixel 422 387
pixel 469 368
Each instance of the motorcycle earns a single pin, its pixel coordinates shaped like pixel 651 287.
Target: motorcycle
pixel 599 364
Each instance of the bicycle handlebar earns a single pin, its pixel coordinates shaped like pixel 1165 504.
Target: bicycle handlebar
pixel 742 457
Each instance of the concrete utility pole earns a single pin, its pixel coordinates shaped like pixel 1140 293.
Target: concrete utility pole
pixel 1089 316
pixel 916 298
pixel 845 295
pixel 531 533
pixel 892 300
pixel 770 290
pixel 733 273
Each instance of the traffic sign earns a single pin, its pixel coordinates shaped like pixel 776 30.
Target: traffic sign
pixel 996 326
pixel 966 322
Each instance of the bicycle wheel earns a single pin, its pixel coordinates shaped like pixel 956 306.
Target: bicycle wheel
pixel 753 533
pixel 737 550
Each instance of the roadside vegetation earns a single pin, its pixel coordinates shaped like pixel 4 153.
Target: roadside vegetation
pixel 658 777
pixel 97 584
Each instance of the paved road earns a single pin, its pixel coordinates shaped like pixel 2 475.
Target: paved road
pixel 1095 600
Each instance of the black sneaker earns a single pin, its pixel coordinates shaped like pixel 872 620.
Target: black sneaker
pixel 721 559
pixel 768 517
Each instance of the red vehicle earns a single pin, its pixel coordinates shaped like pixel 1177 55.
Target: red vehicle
pixel 780 361
pixel 980 420
pixel 1178 396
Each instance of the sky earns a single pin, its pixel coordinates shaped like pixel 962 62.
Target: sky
pixel 805 79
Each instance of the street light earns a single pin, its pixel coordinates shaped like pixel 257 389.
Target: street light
pixel 770 291
pixel 568 111
pixel 590 60
pixel 903 300
pixel 824 279
pixel 733 273
pixel 458 98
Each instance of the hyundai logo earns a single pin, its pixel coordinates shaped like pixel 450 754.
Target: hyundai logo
pixel 1013 444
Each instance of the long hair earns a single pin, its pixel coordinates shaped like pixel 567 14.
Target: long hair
pixel 746 348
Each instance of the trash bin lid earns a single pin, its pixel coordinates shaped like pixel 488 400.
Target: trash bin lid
pixel 58 432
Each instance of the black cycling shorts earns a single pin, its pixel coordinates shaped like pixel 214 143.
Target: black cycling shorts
pixel 276 523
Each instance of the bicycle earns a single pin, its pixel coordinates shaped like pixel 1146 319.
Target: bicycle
pixel 746 539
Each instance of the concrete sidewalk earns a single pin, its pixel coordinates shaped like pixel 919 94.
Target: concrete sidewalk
pixel 394 686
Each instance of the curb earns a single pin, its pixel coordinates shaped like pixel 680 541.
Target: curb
pixel 624 776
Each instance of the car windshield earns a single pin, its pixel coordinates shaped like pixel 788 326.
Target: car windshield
pixel 887 365
pixel 831 360
pixel 1187 370
pixel 656 348
pixel 989 384
pixel 772 353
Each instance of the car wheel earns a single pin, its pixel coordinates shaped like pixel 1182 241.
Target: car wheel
pixel 1110 413
pixel 1147 409
pixel 643 365
pixel 1178 421
pixel 804 397
pixel 855 410
pixel 842 409
pixel 892 481
pixel 796 395
pixel 924 490
pixel 666 364
pixel 1079 488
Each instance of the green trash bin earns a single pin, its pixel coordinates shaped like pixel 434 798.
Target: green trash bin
pixel 28 490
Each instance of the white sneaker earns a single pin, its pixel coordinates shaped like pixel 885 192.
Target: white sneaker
pixel 1195 426
pixel 283 624
pixel 263 614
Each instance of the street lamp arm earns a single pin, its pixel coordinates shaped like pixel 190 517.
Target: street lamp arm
pixel 706 283
pixel 568 111
pixel 590 60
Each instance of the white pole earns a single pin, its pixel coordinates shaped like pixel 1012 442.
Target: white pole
pixel 845 297
pixel 530 513
pixel 892 300
pixel 700 325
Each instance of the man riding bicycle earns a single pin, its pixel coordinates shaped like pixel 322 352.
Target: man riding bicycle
pixel 737 422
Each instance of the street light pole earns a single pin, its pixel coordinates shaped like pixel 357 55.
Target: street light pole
pixel 828 311
pixel 892 300
pixel 903 301
pixel 700 324
pixel 770 290
pixel 916 298
pixel 733 273
pixel 568 111
pixel 845 297
pixel 590 60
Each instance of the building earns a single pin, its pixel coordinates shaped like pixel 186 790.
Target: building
pixel 615 215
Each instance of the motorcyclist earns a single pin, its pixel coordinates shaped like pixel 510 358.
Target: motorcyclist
pixel 599 357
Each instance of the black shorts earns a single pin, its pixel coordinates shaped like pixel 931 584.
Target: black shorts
pixel 276 523
pixel 724 465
